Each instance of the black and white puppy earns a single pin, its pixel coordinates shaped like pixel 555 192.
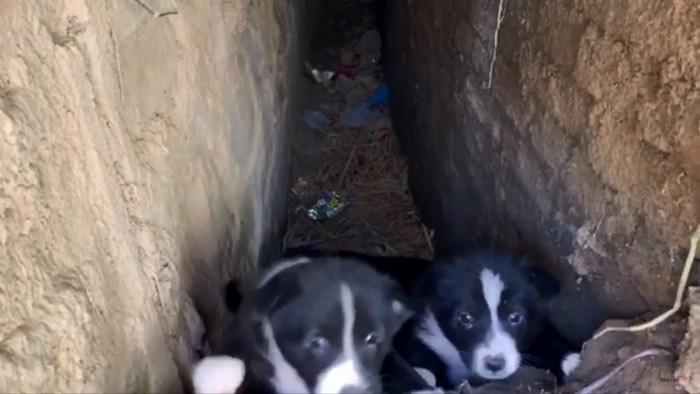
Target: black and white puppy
pixel 483 316
pixel 397 375
pixel 319 325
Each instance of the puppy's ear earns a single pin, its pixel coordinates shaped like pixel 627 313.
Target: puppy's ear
pixel 546 284
pixel 218 375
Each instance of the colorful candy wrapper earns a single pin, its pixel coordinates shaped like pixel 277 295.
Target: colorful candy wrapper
pixel 326 206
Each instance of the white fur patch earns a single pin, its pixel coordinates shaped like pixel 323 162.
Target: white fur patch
pixel 396 307
pixel 346 370
pixel 570 362
pixel 427 376
pixel 498 343
pixel 286 379
pixel 432 336
pixel 218 375
pixel 279 268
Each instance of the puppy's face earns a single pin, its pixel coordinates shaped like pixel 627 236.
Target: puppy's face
pixel 483 312
pixel 325 325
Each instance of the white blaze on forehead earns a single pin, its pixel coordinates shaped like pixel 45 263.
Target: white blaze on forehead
pixel 279 268
pixel 218 375
pixel 434 338
pixel 492 286
pixel 346 371
pixel 498 342
pixel 286 379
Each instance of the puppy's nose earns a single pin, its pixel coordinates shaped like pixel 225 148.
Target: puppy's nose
pixel 352 390
pixel 495 363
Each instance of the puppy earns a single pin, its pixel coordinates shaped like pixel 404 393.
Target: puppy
pixel 483 315
pixel 318 325
pixel 397 375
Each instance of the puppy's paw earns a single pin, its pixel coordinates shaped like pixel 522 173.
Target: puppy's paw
pixel 569 363
pixel 427 376
pixel 429 379
pixel 218 375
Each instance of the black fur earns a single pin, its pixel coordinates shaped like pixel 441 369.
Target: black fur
pixel 405 270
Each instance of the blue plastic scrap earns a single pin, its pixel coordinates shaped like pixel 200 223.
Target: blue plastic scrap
pixel 379 97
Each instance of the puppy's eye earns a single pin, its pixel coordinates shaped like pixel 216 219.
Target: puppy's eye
pixel 317 345
pixel 515 318
pixel 465 319
pixel 373 339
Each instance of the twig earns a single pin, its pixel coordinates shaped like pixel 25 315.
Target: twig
pixel 499 19
pixel 600 382
pixel 679 293
pixel 351 158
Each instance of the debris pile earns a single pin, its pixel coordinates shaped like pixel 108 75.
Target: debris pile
pixel 358 198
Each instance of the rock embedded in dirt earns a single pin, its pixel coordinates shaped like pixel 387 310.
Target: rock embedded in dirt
pixel 652 374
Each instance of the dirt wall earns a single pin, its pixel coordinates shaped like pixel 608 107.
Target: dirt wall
pixel 142 145
pixel 586 147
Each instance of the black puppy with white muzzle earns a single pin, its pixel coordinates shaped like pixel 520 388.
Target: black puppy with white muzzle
pixel 482 313
pixel 318 325
pixel 397 374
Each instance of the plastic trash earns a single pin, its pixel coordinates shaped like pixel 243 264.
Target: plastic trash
pixel 381 128
pixel 301 188
pixel 379 97
pixel 323 77
pixel 356 96
pixel 370 46
pixel 326 206
pixel 317 120
pixel 359 116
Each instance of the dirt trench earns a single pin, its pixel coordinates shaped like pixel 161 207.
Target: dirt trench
pixel 149 148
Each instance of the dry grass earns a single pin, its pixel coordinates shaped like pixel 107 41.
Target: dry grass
pixel 381 217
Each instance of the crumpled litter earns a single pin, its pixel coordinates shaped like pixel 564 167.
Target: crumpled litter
pixel 326 206
pixel 319 76
pixel 370 47
pixel 359 116
pixel 379 97
pixel 317 120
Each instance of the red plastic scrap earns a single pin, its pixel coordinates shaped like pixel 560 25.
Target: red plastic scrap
pixel 350 70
